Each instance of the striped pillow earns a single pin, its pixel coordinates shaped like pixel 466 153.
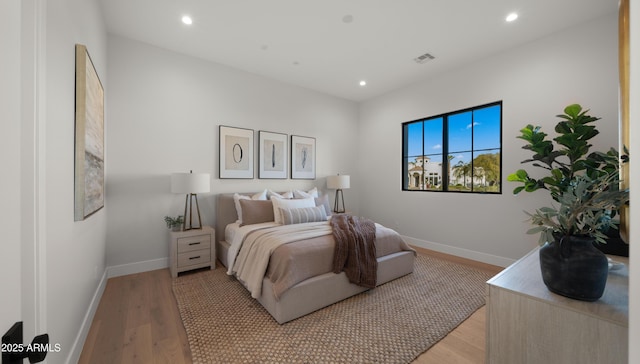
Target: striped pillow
pixel 303 214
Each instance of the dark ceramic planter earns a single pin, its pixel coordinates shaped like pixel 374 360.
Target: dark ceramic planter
pixel 615 245
pixel 573 267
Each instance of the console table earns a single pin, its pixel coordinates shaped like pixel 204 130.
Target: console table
pixel 526 323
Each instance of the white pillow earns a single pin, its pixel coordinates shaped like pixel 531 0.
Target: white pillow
pixel 324 201
pixel 237 197
pixel 302 194
pixel 302 215
pixel 281 203
pixel 272 194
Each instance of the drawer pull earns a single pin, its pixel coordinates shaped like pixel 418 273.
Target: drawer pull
pixel 192 258
pixel 194 243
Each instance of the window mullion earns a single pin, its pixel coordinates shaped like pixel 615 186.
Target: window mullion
pixel 445 153
pixel 424 172
pixel 472 148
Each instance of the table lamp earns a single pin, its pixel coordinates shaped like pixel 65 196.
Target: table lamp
pixel 338 183
pixel 191 184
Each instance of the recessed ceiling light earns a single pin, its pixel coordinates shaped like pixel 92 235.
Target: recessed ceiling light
pixel 363 83
pixel 511 17
pixel 187 20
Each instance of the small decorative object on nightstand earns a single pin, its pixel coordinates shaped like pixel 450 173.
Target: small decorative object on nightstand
pixel 192 249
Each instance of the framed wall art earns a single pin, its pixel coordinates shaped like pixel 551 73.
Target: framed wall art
pixel 303 157
pixel 89 137
pixel 273 155
pixel 236 152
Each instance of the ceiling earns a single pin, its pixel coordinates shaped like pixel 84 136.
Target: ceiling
pixel 331 45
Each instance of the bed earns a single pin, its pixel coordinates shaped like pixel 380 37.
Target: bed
pixel 313 286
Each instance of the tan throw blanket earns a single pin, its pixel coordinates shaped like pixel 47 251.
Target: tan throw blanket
pixel 355 252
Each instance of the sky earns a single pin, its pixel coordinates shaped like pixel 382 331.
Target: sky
pixel 480 127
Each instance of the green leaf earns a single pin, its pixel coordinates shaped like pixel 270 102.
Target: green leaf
pixel 514 178
pixel 522 174
pixel 536 230
pixel 557 174
pixel 573 110
pixel 531 186
pixel 563 127
pixel 548 211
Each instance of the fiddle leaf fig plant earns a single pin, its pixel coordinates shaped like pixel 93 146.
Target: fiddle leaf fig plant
pixel 584 186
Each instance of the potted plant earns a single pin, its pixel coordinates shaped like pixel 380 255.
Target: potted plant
pixel 174 224
pixel 586 194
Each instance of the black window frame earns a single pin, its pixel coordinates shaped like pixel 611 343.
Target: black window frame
pixel 445 150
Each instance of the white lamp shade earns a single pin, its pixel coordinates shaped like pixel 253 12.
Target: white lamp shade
pixel 190 182
pixel 339 182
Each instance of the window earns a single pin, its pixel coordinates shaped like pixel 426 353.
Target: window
pixel 454 152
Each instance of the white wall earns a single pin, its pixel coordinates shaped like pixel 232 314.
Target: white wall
pixel 535 81
pixel 10 251
pixel 75 250
pixel 164 111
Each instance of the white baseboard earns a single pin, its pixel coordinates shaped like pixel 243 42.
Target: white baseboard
pixel 137 267
pixel 460 252
pixel 78 344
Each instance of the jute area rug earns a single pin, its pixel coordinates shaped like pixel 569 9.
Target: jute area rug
pixel 393 323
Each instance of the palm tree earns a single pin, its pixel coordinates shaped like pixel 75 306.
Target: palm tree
pixel 462 169
pixel 478 172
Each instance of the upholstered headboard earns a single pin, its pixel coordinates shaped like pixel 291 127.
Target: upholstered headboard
pixel 225 213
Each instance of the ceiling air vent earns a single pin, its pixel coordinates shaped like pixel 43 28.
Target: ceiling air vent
pixel 424 58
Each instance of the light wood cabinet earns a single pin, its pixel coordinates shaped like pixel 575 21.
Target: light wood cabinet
pixel 526 323
pixel 192 249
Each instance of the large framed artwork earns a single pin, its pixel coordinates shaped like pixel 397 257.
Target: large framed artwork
pixel 89 138
pixel 303 157
pixel 273 155
pixel 236 152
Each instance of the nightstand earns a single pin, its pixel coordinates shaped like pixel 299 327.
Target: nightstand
pixel 192 249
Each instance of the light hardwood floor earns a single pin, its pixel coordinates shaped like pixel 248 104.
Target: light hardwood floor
pixel 137 321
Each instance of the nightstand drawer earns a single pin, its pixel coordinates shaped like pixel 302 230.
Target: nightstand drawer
pixel 192 243
pixel 194 257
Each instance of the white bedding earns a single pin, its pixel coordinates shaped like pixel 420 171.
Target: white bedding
pixel 239 234
pixel 230 231
pixel 250 264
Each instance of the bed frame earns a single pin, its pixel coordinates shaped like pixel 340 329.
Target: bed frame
pixel 316 292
